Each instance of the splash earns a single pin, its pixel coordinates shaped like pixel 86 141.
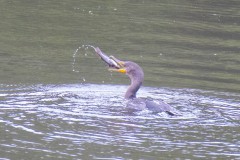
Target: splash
pixel 77 53
pixel 80 51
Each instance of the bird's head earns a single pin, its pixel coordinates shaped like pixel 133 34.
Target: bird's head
pixel 132 69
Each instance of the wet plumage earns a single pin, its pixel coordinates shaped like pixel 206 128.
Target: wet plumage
pixel 136 75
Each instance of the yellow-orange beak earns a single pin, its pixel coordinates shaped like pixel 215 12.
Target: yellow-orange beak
pixel 121 64
pixel 121 70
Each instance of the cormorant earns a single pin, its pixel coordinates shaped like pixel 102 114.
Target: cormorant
pixel 136 75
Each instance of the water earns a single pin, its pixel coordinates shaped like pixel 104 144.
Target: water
pixel 59 101
pixel 89 122
pixel 78 55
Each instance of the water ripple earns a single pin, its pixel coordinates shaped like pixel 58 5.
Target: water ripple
pixel 65 120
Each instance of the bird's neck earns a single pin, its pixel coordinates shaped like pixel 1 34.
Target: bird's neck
pixel 132 89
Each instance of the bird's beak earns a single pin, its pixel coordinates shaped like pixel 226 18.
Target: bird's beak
pixel 120 65
pixel 114 63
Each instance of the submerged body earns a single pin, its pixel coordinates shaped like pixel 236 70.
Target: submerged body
pixel 136 75
pixel 138 104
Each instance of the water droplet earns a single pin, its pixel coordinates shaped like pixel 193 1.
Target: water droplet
pixel 90 12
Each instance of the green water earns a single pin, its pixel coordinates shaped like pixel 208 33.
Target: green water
pixel 190 53
pixel 193 44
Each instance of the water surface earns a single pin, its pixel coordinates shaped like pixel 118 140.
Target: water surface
pixel 188 49
pixel 90 122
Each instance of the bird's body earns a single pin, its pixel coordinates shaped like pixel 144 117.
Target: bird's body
pixel 139 104
pixel 136 75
